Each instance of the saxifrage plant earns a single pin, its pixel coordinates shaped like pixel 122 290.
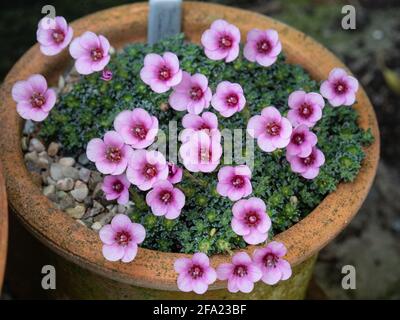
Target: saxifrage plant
pixel 305 146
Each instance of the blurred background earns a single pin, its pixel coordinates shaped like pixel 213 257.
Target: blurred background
pixel 371 243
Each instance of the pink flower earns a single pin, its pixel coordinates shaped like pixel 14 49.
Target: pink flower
pixel 121 238
pixel 305 108
pixel 308 167
pixel 191 94
pixel 301 141
pixel 271 264
pixel 250 220
pixel 137 127
pixel 241 274
pixel 116 187
pixel 271 129
pixel 106 75
pixel 201 153
pixel 165 200
pixel 262 46
pixel 111 155
pixel 146 168
pixel 34 100
pixel 161 72
pixel 228 98
pixel 53 39
pixel 221 41
pixel 174 173
pixel 195 274
pixel 91 52
pixel 207 122
pixel 340 88
pixel 234 182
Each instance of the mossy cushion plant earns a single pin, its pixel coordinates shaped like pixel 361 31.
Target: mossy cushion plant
pixel 203 203
pixel 89 110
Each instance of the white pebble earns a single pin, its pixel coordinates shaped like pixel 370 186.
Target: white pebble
pixel 56 171
pixel 66 184
pixel 29 127
pixel 96 226
pixel 36 145
pixel 24 143
pixel 84 174
pixel 121 208
pixel 70 172
pixel 32 157
pixel 53 148
pixel 67 161
pixel 80 191
pixel 43 163
pixel 76 212
pixel 49 190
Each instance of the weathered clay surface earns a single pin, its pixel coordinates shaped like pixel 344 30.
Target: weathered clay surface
pixel 150 268
pixel 370 244
pixel 3 227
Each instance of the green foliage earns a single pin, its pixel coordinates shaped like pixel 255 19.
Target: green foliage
pixel 88 110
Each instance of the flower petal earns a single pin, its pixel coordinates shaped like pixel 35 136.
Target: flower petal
pixel 113 252
pixel 107 234
pixel 120 222
pixel 130 253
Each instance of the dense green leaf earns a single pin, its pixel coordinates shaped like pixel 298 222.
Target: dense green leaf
pixel 89 109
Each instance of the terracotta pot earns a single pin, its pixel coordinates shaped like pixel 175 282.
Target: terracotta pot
pixel 82 272
pixel 3 227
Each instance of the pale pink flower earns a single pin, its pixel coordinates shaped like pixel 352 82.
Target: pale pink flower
pixel 221 41
pixel 34 99
pixel 234 182
pixel 191 94
pixel 271 264
pixel 161 72
pixel 228 98
pixel 106 75
pixel 121 238
pixel 241 274
pixel 207 122
pixel 250 220
pixel 174 173
pixel 145 168
pixel 116 188
pixel 307 167
pixel 305 108
pixel 195 274
pixel 91 52
pixel 55 38
pixel 201 153
pixel 262 46
pixel 137 127
pixel 301 141
pixel 110 155
pixel 165 200
pixel 340 88
pixel 271 129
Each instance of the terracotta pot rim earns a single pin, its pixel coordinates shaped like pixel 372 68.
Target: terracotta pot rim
pixel 3 226
pixel 154 269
